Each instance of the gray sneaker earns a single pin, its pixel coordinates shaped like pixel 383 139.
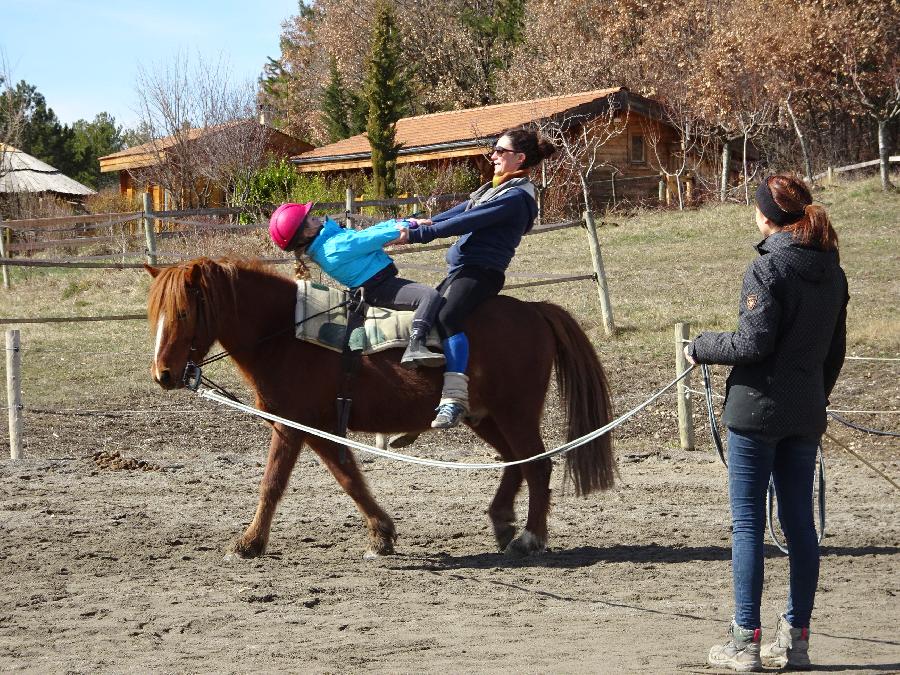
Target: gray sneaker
pixel 790 649
pixel 449 415
pixel 740 653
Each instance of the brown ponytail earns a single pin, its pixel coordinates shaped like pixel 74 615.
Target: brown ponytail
pixel 814 228
pixel 301 270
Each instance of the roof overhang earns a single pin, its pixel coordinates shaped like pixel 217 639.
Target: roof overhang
pixel 419 153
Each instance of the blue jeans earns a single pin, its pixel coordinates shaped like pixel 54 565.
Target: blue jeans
pixel 792 462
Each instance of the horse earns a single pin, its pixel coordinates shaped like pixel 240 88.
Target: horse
pixel 248 308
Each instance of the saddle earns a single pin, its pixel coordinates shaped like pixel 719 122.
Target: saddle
pixel 320 320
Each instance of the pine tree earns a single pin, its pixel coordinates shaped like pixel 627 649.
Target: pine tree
pixel 387 93
pixel 335 106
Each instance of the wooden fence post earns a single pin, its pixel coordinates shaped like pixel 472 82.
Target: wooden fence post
pixel 662 189
pixel 685 412
pixel 3 253
pixel 14 393
pixel 597 259
pixel 349 208
pixel 830 175
pixel 149 229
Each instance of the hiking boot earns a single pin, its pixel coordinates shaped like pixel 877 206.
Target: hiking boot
pixel 791 647
pixel 448 416
pixel 417 354
pixel 740 653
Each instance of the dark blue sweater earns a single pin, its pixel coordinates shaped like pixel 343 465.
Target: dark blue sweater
pixel 490 232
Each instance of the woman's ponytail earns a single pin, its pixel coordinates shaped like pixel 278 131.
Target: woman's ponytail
pixel 814 228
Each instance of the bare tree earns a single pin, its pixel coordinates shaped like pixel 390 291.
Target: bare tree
pixel 12 115
pixel 203 129
pixel 580 137
pixel 872 63
pixel 686 151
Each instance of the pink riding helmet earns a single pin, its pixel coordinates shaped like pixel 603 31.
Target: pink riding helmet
pixel 285 221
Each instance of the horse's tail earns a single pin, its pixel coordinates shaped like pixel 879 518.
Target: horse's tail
pixel 585 394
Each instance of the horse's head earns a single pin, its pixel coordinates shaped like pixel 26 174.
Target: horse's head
pixel 179 309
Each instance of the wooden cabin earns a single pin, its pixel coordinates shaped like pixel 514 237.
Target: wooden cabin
pixel 626 166
pixel 134 165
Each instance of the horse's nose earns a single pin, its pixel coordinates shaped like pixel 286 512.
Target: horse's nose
pixel 164 378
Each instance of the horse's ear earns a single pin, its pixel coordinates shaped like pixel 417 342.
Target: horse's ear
pixel 152 271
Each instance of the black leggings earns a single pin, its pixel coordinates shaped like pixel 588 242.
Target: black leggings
pixel 463 291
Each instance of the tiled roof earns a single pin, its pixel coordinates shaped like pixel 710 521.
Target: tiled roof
pixel 462 125
pixel 20 172
pixel 149 153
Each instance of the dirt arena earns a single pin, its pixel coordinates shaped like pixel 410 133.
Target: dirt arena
pixel 114 563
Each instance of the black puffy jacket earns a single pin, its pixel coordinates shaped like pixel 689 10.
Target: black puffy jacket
pixel 789 346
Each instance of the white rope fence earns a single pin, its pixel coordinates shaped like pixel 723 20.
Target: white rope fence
pixel 362 447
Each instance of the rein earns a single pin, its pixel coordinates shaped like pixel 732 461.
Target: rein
pixel 193 375
pixel 770 500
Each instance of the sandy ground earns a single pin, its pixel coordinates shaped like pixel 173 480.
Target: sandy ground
pixel 110 569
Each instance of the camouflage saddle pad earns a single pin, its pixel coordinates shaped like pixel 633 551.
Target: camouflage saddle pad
pixel 319 319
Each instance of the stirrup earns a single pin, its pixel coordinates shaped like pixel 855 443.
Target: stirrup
pixel 449 415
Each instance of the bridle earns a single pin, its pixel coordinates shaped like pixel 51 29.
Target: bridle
pixel 193 376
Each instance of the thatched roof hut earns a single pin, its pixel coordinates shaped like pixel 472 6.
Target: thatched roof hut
pixel 20 172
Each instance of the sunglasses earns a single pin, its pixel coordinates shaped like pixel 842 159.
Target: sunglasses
pixel 500 151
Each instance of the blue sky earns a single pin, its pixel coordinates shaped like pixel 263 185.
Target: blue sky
pixel 83 55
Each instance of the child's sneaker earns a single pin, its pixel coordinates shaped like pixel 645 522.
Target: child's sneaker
pixel 740 653
pixel 790 649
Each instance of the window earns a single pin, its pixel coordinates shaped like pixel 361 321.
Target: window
pixel 637 150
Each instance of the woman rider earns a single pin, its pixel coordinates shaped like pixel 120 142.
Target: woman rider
pixel 356 259
pixel 492 223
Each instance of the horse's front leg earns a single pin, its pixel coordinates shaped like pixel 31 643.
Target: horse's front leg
pixel 283 451
pixel 343 466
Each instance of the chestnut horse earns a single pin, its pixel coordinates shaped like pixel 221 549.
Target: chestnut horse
pixel 249 310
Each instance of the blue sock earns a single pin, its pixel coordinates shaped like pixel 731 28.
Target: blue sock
pixel 456 351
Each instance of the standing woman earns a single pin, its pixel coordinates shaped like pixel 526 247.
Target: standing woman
pixel 492 224
pixel 787 353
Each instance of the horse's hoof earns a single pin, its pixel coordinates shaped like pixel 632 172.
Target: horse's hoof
pixel 397 441
pixel 234 557
pixel 245 550
pixel 525 544
pixel 373 554
pixel 504 534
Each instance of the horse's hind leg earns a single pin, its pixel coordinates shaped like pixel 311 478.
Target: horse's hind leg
pixel 528 443
pixel 502 509
pixel 380 525
pixel 534 537
pixel 283 451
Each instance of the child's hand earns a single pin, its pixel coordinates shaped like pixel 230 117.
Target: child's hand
pixel 403 237
pixel 418 222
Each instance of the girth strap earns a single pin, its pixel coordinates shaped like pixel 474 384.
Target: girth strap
pixel 350 363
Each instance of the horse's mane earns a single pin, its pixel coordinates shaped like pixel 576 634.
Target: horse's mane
pixel 214 279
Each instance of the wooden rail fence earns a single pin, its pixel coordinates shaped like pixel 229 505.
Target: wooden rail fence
pixel 185 218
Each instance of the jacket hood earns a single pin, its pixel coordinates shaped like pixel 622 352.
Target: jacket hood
pixel 811 264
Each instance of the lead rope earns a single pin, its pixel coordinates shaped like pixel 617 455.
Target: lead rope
pixel 770 500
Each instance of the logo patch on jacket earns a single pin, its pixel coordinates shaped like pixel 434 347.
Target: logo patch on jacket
pixel 752 301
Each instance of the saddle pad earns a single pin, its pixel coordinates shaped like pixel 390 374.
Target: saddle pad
pixel 382 329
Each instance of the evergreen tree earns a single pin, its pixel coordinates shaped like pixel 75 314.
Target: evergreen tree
pixel 496 33
pixel 90 141
pixel 336 106
pixel 387 93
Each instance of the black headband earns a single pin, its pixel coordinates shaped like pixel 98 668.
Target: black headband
pixel 766 203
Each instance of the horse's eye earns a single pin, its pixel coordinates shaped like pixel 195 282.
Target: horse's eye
pixel 182 315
